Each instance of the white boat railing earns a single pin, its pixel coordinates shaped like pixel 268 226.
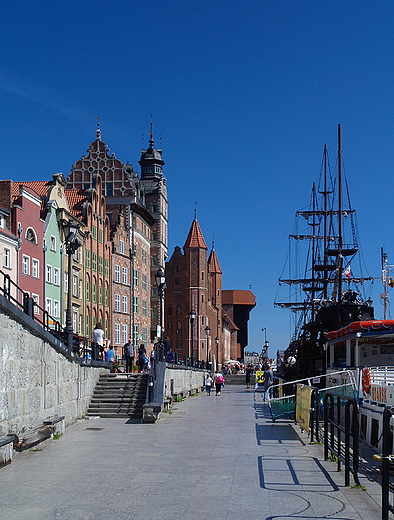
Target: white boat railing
pixel 383 375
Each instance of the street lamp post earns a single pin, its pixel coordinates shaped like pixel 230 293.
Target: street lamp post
pixel 161 285
pixel 207 331
pixel 217 353
pixel 71 243
pixel 192 317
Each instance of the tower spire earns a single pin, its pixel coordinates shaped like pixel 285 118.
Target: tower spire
pixel 98 131
pixel 151 141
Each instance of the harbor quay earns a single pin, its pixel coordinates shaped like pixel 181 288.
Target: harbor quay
pixel 208 457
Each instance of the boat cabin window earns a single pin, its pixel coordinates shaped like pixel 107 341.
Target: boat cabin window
pixel 339 355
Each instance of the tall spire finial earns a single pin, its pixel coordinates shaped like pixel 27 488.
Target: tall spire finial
pixel 151 141
pixel 195 209
pixel 98 131
pixel 213 241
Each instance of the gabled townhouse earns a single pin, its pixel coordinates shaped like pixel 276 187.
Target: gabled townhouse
pixel 9 246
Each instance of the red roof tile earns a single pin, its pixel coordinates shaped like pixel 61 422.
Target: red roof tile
pixel 213 263
pixel 195 238
pixel 76 199
pixel 238 297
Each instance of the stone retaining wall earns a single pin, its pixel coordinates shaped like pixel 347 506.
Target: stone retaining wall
pixel 37 380
pixel 184 382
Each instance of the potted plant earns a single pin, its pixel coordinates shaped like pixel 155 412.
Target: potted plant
pixel 115 367
pixel 134 368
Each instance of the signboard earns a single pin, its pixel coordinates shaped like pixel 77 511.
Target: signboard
pixel 303 405
pixel 260 377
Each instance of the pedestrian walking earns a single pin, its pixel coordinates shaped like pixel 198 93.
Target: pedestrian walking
pixel 208 384
pixel 248 374
pixel 142 357
pixel 268 380
pixel 219 381
pixel 128 354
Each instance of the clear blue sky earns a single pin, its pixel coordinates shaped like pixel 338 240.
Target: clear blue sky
pixel 244 94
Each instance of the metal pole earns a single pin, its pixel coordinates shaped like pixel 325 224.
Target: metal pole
pixel 69 323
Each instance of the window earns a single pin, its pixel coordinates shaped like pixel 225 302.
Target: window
pixel 80 290
pixel 56 276
pixel 94 295
pixel 101 265
pixel 94 233
pixel 143 254
pixel 49 274
pixel 35 268
pixel 135 335
pixel 106 273
pixel 135 250
pixel 177 280
pixel 134 223
pixel 75 284
pixel 154 261
pixel 100 295
pixel 121 247
pixel 94 261
pixel 117 273
pixel 144 336
pixel 179 325
pixel 53 243
pixel 169 311
pixel 154 314
pixel 48 306
pixel 154 208
pixel 117 302
pixel 169 325
pixel 87 325
pixel 124 303
pixel 106 297
pixel 135 304
pixel 179 310
pixel 87 259
pixel 87 291
pixel 124 334
pixel 154 237
pixel 36 300
pixel 144 282
pixel 154 291
pixel 179 345
pixel 66 283
pixel 109 189
pixel 135 278
pixel 7 257
pixel 31 236
pixel 144 307
pixel 100 236
pixel 56 309
pixel 75 320
pixel 124 275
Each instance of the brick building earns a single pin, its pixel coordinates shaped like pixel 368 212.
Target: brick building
pixel 143 202
pixel 194 283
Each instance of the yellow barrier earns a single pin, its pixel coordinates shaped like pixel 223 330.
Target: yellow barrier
pixel 303 406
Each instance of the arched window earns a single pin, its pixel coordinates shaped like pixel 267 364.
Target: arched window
pixel 31 235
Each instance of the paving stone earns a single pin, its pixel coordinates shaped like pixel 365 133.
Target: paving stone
pixel 217 458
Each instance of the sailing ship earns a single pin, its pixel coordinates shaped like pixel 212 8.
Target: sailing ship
pixel 324 295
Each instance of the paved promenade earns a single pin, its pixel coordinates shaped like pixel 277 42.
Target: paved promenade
pixel 211 458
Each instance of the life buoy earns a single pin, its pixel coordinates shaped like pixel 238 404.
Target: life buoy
pixel 366 381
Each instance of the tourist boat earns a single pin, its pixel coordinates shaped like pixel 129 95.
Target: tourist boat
pixel 324 295
pixel 366 350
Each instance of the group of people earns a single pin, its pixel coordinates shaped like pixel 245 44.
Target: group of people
pixel 218 381
pixel 129 353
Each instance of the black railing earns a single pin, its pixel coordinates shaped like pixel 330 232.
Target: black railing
pixel 81 347
pixel 387 463
pixel 333 430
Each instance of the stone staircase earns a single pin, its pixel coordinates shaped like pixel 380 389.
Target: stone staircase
pixel 119 395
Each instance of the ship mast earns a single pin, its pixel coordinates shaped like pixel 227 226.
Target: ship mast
pixel 340 238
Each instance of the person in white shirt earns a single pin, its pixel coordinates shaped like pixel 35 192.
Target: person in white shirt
pixel 98 342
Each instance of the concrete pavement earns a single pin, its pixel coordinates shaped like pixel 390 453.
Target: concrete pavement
pixel 211 458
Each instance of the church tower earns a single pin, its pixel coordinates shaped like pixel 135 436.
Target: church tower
pixel 154 186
